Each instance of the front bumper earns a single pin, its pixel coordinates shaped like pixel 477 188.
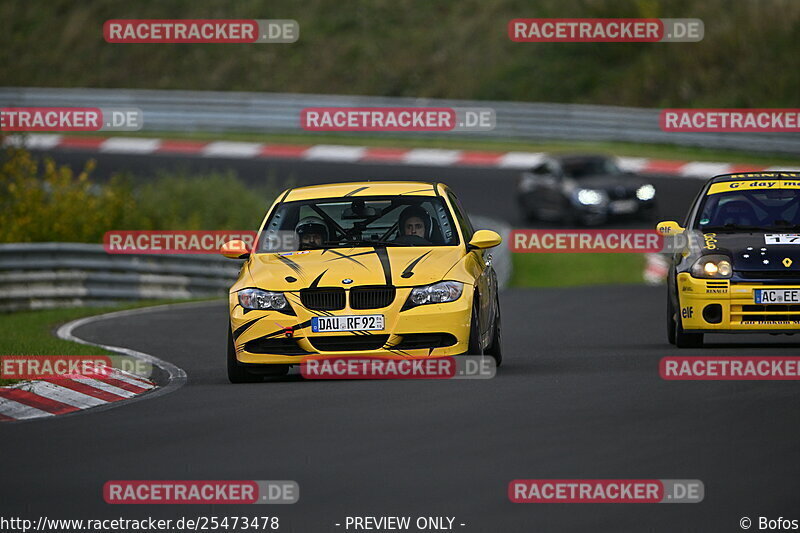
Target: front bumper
pixel 434 330
pixel 725 306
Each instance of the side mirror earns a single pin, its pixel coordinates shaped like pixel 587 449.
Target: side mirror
pixel 669 227
pixel 484 238
pixel 235 249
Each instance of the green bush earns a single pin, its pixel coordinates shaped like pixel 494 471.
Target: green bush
pixel 44 202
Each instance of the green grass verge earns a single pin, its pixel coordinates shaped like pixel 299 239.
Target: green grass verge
pixel 33 332
pixel 654 151
pixel 570 270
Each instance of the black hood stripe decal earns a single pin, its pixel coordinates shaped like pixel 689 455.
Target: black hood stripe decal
pixel 244 327
pixel 349 258
pixel 386 264
pixel 409 270
pixel 291 264
pixel 316 281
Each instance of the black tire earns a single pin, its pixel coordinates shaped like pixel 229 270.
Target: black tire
pixel 686 340
pixel 496 348
pixel 474 347
pixel 671 317
pixel 237 373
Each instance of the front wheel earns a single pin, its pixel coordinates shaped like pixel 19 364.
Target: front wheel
pixel 237 373
pixel 686 340
pixel 496 349
pixel 671 318
pixel 474 347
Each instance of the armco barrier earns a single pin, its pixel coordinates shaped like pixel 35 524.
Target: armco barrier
pixel 46 275
pixel 211 111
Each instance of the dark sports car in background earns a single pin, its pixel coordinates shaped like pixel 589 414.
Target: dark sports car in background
pixel 583 189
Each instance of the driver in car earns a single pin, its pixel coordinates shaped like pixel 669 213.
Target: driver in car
pixel 414 225
pixel 312 233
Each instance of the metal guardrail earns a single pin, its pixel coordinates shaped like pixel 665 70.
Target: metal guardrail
pixel 45 275
pixel 280 113
pixel 48 275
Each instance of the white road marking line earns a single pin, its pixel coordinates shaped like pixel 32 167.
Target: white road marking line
pixel 525 160
pixel 97 384
pixel 700 169
pixel 130 145
pixel 632 164
pixel 20 411
pixel 232 149
pixel 40 141
pixel 63 394
pixel 432 156
pixel 333 152
pixel 133 380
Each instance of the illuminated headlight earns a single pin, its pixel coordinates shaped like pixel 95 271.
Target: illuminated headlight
pixel 527 182
pixel 591 197
pixel 438 293
pixel 712 266
pixel 646 192
pixel 262 300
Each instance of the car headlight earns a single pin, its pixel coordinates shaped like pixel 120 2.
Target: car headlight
pixel 527 182
pixel 712 266
pixel 262 300
pixel 646 192
pixel 438 293
pixel 591 197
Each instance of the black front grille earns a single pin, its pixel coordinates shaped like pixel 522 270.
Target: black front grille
pixel 416 341
pixel 329 299
pixel 348 343
pixel 274 345
pixel 371 297
pixel 773 310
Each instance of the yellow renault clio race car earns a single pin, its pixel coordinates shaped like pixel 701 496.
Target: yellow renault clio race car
pixel 389 269
pixel 739 269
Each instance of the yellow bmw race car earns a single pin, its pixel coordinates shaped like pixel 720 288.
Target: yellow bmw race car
pixel 739 269
pixel 389 269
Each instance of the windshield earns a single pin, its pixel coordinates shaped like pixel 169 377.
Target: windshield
pixel 760 209
pixel 348 222
pixel 596 166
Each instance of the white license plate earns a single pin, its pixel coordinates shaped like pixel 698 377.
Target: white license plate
pixel 777 296
pixel 622 207
pixel 322 324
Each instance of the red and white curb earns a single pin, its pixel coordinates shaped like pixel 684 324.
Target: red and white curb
pixel 356 154
pixel 656 269
pixel 50 397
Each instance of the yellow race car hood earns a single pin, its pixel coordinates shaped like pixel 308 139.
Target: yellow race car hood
pixel 399 266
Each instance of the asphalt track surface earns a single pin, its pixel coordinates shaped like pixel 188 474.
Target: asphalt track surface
pixel 579 396
pixel 483 191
